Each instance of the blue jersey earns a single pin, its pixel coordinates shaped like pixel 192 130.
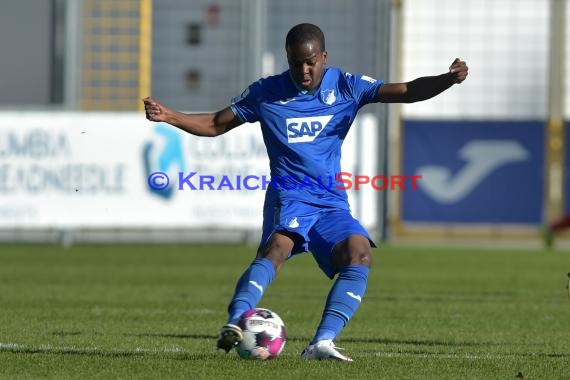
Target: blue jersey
pixel 303 132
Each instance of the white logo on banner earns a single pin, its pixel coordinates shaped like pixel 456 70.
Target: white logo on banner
pixel 482 156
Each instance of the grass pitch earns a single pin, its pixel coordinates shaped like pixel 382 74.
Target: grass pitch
pixel 153 312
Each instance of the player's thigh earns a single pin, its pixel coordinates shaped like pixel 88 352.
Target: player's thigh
pixel 285 230
pixel 337 239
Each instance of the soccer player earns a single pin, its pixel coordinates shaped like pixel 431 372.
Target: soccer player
pixel 550 231
pixel 305 114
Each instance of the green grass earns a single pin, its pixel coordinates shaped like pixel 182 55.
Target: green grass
pixel 153 312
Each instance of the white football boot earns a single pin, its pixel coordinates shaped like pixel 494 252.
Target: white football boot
pixel 324 350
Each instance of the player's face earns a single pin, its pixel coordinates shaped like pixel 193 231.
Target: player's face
pixel 306 63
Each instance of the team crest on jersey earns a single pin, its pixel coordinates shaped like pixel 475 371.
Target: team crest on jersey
pixel 328 96
pixel 306 129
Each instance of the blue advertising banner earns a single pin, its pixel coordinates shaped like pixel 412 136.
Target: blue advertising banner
pixel 474 171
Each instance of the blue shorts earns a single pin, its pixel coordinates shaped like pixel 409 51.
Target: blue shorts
pixel 318 229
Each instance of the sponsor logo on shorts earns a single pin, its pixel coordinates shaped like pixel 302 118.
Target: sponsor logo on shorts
pixel 294 223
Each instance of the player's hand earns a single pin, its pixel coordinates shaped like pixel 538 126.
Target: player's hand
pixel 154 110
pixel 458 70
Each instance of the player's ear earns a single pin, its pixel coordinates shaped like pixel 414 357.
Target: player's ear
pixel 324 57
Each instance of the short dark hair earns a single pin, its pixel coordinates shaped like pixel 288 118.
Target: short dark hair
pixel 302 33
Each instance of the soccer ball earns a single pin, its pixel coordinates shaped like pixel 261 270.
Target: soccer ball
pixel 264 335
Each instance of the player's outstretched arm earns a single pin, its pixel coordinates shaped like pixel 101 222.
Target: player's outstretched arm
pixel 202 124
pixel 423 88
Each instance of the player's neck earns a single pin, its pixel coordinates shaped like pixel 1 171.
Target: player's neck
pixel 305 91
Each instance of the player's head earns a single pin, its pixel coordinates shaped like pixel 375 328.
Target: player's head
pixel 306 55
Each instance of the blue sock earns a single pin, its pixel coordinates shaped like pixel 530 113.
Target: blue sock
pixel 342 302
pixel 250 288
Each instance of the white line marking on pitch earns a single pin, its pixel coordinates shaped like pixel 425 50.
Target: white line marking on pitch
pixel 49 347
pixel 441 356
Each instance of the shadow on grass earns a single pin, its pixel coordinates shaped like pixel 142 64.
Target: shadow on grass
pixel 415 342
pixel 484 297
pixel 180 355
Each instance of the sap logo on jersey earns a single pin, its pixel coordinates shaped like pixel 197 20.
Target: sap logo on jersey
pixel 306 129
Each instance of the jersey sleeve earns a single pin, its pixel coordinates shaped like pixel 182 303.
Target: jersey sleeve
pixel 363 87
pixel 246 105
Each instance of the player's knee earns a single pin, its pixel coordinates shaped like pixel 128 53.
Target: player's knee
pixel 277 249
pixel 353 251
pixel 362 256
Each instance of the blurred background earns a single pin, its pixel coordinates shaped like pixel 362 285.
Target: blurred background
pixel 76 151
